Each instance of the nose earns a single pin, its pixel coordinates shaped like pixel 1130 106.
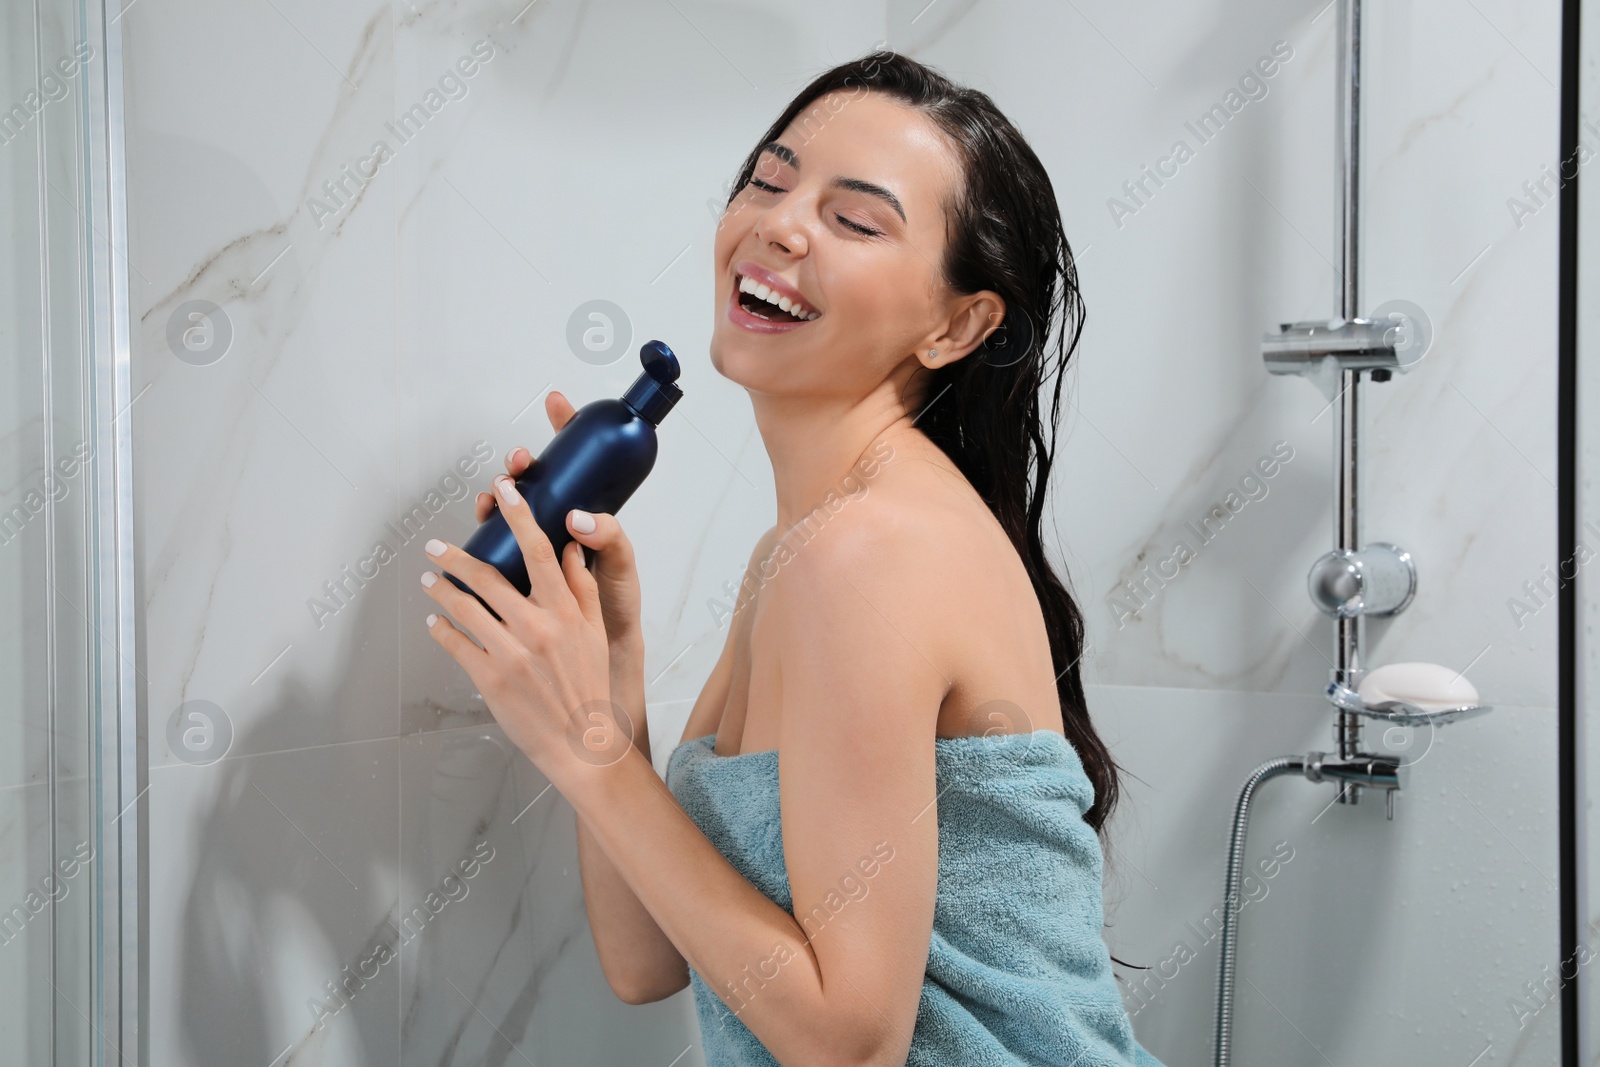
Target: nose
pixel 781 226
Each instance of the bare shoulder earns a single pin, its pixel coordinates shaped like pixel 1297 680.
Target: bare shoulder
pixel 764 546
pixel 917 509
pixel 914 543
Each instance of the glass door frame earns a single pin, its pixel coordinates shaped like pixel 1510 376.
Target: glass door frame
pixel 120 766
pixel 1580 1041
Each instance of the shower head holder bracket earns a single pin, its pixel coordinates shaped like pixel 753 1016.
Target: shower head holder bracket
pixel 1353 344
pixel 1381 579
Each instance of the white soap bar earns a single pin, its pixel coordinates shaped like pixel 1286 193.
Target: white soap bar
pixel 1429 686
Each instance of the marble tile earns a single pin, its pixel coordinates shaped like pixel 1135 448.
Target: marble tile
pixel 1442 914
pixel 265 477
pixel 274 887
pixel 498 963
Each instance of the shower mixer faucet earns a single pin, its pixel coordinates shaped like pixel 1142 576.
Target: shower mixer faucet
pixel 1372 770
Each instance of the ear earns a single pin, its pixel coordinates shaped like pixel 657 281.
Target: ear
pixel 973 318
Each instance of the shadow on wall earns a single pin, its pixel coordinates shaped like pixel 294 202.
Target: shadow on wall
pixel 409 899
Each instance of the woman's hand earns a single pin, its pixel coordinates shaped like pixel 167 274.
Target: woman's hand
pixel 544 670
pixel 615 573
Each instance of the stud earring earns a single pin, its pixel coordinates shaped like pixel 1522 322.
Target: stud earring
pixel 933 353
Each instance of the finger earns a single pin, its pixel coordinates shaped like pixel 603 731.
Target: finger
pixel 490 631
pixel 582 584
pixel 558 409
pixel 546 585
pixel 615 559
pixel 483 579
pixel 517 461
pixel 475 618
pixel 461 647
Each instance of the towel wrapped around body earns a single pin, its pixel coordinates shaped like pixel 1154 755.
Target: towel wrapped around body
pixel 1018 970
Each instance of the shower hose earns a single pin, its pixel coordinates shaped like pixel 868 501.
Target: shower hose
pixel 1230 925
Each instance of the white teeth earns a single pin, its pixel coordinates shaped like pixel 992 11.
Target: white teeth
pixel 746 285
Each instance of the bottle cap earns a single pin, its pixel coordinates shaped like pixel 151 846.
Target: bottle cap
pixel 654 392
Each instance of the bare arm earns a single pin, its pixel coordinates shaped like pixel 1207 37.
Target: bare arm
pixel 640 963
pixel 638 960
pixel 860 833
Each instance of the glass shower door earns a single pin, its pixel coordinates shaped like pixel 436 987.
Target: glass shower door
pixel 68 894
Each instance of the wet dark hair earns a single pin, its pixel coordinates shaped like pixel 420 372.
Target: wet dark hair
pixel 1004 234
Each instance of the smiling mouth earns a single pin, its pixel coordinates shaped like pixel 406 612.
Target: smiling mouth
pixel 758 300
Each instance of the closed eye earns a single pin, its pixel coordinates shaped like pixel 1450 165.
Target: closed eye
pixel 865 231
pixel 856 226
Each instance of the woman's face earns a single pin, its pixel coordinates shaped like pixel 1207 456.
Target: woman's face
pixel 845 212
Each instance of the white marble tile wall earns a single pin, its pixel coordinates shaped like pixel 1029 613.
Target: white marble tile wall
pixel 389 335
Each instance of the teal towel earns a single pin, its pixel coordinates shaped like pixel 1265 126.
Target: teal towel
pixel 1018 970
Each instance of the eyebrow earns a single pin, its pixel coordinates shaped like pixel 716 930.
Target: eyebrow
pixel 782 151
pixel 857 185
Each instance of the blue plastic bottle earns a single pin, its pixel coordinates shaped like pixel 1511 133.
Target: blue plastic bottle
pixel 594 462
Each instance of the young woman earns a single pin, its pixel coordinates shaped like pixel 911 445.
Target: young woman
pixel 880 842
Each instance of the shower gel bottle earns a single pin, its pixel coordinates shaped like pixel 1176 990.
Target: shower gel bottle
pixel 594 462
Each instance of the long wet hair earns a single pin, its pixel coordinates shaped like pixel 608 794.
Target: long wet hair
pixel 1004 234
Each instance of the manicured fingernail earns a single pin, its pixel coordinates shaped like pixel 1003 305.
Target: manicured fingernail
pixel 434 547
pixel 509 494
pixel 432 618
pixel 428 578
pixel 582 521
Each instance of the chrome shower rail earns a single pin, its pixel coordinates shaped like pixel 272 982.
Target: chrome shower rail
pixel 1350 581
pixel 1347 406
pixel 1352 346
